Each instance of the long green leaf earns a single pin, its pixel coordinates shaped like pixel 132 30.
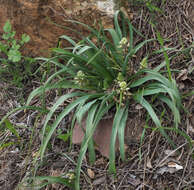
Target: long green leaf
pixel 50 180
pixel 90 130
pixel 169 88
pixel 53 60
pixel 65 112
pixel 150 91
pixel 58 73
pixel 121 134
pixel 114 36
pixel 103 108
pixel 173 107
pixel 151 112
pixel 22 108
pixel 160 66
pixel 89 126
pixel 83 50
pixel 153 75
pixel 69 54
pixel 47 87
pixel 91 44
pixel 56 105
pixel 83 109
pixel 68 39
pixel 11 128
pixel 141 142
pixel 161 41
pixel 130 37
pixel 116 24
pixel 140 45
pixel 116 122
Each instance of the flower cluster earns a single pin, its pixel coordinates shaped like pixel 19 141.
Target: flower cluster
pixel 122 88
pixel 123 43
pixel 70 176
pixel 80 78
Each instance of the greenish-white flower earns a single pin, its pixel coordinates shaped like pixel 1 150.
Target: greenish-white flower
pixel 123 41
pixel 70 176
pixel 80 74
pixel 80 78
pixel 123 86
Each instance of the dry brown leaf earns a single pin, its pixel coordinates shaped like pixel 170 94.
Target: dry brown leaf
pixel 123 9
pixel 175 165
pixel 166 169
pixel 90 173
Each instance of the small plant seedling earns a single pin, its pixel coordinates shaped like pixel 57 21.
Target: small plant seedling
pixel 12 62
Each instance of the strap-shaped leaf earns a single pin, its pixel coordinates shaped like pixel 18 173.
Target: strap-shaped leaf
pixel 65 112
pixel 43 89
pixel 102 109
pixel 139 98
pixel 58 103
pixel 114 36
pixel 89 126
pixel 116 24
pixel 173 107
pixel 121 134
pixel 68 39
pixel 53 60
pixel 22 108
pixel 46 180
pixel 153 75
pixel 116 123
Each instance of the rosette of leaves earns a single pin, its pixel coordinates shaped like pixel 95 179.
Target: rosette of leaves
pixel 102 77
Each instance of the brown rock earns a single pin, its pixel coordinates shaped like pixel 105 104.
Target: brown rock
pixel 102 136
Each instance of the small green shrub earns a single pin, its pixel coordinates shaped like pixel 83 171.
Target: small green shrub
pixel 104 77
pixel 12 63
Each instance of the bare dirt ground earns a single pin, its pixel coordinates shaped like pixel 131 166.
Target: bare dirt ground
pixel 46 20
pixel 157 167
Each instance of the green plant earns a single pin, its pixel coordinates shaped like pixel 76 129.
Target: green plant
pixel 104 77
pixel 151 5
pixel 11 59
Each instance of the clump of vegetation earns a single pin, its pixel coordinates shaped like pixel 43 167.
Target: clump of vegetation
pixel 104 77
pixel 12 63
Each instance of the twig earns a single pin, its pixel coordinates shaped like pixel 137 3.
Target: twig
pixel 170 155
